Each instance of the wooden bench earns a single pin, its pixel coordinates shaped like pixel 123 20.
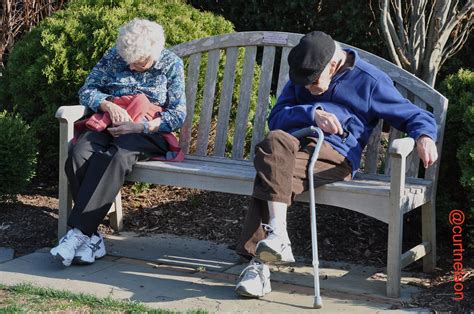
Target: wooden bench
pixel 385 192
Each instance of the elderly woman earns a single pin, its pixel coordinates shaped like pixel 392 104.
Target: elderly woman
pixel 99 161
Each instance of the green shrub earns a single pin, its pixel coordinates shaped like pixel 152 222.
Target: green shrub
pixel 17 155
pixel 456 185
pixel 49 65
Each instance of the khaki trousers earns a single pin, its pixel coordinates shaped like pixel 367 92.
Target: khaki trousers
pixel 281 162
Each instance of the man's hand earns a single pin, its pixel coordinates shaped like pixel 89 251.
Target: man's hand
pixel 328 122
pixel 117 113
pixel 426 150
pixel 126 127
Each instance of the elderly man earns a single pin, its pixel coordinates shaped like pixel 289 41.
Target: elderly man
pixel 345 96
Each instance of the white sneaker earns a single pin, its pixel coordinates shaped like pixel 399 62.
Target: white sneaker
pixel 255 280
pixel 66 249
pixel 274 249
pixel 88 252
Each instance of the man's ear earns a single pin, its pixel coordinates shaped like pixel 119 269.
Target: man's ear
pixel 332 66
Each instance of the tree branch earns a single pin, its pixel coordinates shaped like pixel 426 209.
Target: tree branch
pixel 437 20
pixel 397 5
pixel 418 33
pixel 384 19
pixel 460 15
pixel 457 43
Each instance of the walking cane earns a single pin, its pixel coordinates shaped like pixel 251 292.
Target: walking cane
pixel 318 302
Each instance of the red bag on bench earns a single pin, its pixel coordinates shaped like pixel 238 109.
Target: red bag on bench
pixel 138 108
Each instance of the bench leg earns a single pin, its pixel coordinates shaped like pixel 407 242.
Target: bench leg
pixel 395 235
pixel 65 205
pixel 428 226
pixel 115 214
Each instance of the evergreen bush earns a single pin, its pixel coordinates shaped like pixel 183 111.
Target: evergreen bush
pixel 17 155
pixel 49 65
pixel 456 185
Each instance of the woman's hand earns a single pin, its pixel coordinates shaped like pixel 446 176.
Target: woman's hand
pixel 117 113
pixel 126 127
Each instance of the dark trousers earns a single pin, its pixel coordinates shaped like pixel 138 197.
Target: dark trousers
pixel 96 169
pixel 281 162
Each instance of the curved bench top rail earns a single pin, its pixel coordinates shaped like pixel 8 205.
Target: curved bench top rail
pixel 284 39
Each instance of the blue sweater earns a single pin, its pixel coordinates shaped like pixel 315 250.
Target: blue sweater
pixel 359 96
pixel 163 83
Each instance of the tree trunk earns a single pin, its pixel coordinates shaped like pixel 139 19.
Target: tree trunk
pixel 425 33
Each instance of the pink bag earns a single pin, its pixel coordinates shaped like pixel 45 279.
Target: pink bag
pixel 138 108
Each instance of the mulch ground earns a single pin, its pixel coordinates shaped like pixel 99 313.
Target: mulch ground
pixel 31 223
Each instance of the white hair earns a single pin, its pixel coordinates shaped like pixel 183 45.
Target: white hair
pixel 338 53
pixel 140 39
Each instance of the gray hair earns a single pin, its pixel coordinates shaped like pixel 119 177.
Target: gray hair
pixel 140 39
pixel 338 53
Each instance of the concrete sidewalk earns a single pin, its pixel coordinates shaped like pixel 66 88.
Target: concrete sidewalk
pixel 178 273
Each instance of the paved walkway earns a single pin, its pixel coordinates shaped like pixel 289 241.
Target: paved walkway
pixel 178 273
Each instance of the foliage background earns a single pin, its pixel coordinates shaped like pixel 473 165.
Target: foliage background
pixel 49 64
pixel 456 185
pixel 17 155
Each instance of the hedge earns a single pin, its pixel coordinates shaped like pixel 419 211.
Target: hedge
pixel 17 155
pixel 456 183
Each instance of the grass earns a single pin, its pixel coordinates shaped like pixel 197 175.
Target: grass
pixel 25 298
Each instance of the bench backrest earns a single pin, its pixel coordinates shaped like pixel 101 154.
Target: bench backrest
pixel 215 118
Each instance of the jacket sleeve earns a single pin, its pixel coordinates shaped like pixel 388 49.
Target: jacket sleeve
pixel 288 114
pixel 388 104
pixel 92 93
pixel 175 108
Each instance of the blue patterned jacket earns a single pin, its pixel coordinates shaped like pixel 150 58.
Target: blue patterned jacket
pixel 163 83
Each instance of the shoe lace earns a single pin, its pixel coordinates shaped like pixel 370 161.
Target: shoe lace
pixel 75 241
pixel 252 271
pixel 267 228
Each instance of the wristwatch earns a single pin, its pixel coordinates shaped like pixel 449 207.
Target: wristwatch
pixel 146 127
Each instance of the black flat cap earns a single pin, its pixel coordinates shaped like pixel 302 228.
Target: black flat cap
pixel 309 57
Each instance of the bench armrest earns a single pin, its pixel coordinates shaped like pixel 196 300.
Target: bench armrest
pixel 71 114
pixel 399 151
pixel 402 147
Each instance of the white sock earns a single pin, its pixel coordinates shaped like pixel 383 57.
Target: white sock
pixel 278 225
pixel 277 213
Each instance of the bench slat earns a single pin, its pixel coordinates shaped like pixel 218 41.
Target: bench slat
pixel 372 153
pixel 226 102
pixel 367 194
pixel 413 160
pixel 207 102
pixel 260 119
pixel 284 68
pixel 191 90
pixel 244 103
pixel 394 133
pixel 208 167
